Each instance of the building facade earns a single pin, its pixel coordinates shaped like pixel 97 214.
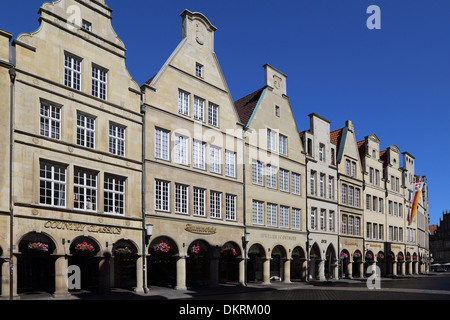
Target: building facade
pixel 173 183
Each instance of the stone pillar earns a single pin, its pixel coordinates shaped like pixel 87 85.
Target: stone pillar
pixel 350 270
pixel 181 273
pixel 140 285
pixel 410 268
pixel 104 274
pixel 335 273
pixel 266 271
pixel 304 269
pixel 402 265
pixel 6 281
pixel 242 275
pixel 361 269
pixel 287 271
pixel 394 267
pixel 61 278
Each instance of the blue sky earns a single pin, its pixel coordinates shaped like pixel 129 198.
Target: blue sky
pixel 394 82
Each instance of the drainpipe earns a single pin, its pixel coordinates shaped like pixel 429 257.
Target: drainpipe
pixel 144 258
pixel 307 225
pixel 244 208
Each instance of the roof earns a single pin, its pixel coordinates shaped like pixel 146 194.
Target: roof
pixel 335 137
pixel 432 229
pixel 362 149
pixel 246 105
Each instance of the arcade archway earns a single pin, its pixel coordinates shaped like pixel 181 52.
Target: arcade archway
pixel 162 269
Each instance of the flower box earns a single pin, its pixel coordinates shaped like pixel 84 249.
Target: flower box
pixel 84 247
pixel 125 250
pixel 38 246
pixel 162 247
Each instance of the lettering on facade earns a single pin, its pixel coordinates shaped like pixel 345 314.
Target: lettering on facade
pixel 200 229
pixel 278 236
pixel 350 243
pixel 60 225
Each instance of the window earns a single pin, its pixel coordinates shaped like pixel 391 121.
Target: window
pixel 390 233
pixel 213 114
pixel 162 144
pixel 272 212
pixel 322 219
pixel 380 205
pixel 331 187
pixel 331 220
pixel 116 140
pixel 181 150
pixel 296 214
pixel 277 111
pixel 181 198
pixel 72 72
pixel 371 175
pixel 350 225
pixel 258 212
pixel 369 230
pixel 230 207
pixel 392 183
pixel 312 180
pixel 313 218
pixel 381 232
pixel 397 181
pixel 390 207
pixel 85 131
pixel 400 210
pixel 99 83
pixel 271 176
pixel 52 184
pixel 50 121
pixel 321 152
pixel 162 195
pixel 215 204
pixel 368 201
pixel 284 217
pixel 347 167
pixel 230 164
pixel 86 25
pixel 198 154
pixel 353 169
pixel 271 140
pixel 357 197
pixel 344 224
pixel 199 202
pixel 215 161
pixel 114 195
pixel 183 102
pixel 377 177
pixel 199 109
pixel 357 226
pixel 284 180
pixel 283 145
pixel 85 190
pixel 322 185
pixel 257 172
pixel 344 194
pixel 351 191
pixel 375 231
pixel 295 183
pixel 199 70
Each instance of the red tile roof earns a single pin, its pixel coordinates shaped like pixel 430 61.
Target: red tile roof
pixel 246 105
pixel 362 149
pixel 335 137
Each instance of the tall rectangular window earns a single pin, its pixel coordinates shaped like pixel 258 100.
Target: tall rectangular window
pixel 162 143
pixel 116 140
pixel 114 195
pixel 357 226
pixel 215 204
pixel 351 191
pixel 215 159
pixel 357 198
pixel 230 164
pixel 344 224
pixel 230 207
pixel 198 154
pixel 199 109
pixel 322 219
pixel 368 201
pixel 199 202
pixel 284 180
pixel 183 102
pixel 380 205
pixel 296 218
pixel 344 194
pixel 283 145
pixel 52 184
pixel 271 176
pixel 50 121
pixel 331 220
pixel 353 169
pixel 213 114
pixel 284 217
pixel 181 150
pixel 295 183
pixel 321 152
pixel 347 167
pixel 72 72
pixel 181 198
pixel 271 140
pixel 322 185
pixel 162 195
pixel 199 70
pixel 312 182
pixel 350 225
pixel 85 131
pixel 313 218
pixel 257 172
pixel 99 83
pixel 272 213
pixel 258 212
pixel 85 190
pixel 331 187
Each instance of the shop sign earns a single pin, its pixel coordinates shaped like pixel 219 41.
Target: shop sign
pixel 60 225
pixel 200 229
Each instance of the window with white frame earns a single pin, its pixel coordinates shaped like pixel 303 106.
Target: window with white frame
pixel 271 140
pixel 271 176
pixel 162 195
pixel 198 154
pixel 350 225
pixel 72 72
pixel 344 194
pixel 213 114
pixel 296 218
pixel 313 218
pixel 321 152
pixel 85 190
pixel 284 217
pixel 215 159
pixel 198 70
pixel 272 213
pixel 230 164
pixel 283 145
pixel 357 226
pixel 86 25
pixel 322 219
pixel 199 202
pixel 312 180
pixel 99 83
pixel 114 195
pixel 322 185
pixel 331 187
pixel 344 224
pixel 351 192
pixel 258 212
pixel 162 143
pixel 374 204
pixel 199 109
pixel 50 121
pixel 215 204
pixel 331 220
pixel 85 131
pixel 230 207
pixel 257 172
pixel 284 180
pixel 116 140
pixel 183 102
pixel 181 198
pixel 181 149
pixel 52 184
pixel 295 183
